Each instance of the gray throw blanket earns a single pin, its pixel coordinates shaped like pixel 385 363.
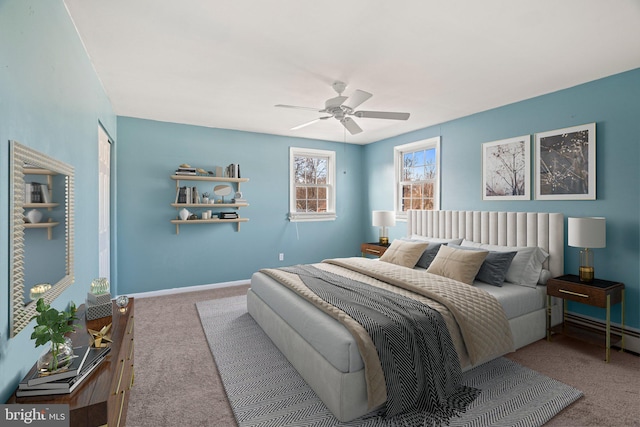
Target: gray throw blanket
pixel 418 358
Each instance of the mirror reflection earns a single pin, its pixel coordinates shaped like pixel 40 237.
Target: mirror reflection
pixel 41 231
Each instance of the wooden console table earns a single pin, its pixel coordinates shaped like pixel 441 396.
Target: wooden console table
pixel 102 397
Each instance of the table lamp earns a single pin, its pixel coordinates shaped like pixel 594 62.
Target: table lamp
pixel 587 233
pixel 384 219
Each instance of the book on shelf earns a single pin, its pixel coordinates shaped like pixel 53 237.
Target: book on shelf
pixel 74 368
pixel 44 189
pixel 33 192
pixel 228 215
pixel 233 170
pixel 181 195
pixel 65 386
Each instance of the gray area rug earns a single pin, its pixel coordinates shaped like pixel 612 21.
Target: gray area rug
pixel 265 390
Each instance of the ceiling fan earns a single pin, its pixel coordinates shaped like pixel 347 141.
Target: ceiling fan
pixel 342 107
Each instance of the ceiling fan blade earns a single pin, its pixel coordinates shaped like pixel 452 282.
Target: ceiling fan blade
pixel 310 123
pixel 334 102
pixel 305 124
pixel 296 107
pixel 351 125
pixel 357 98
pixel 382 115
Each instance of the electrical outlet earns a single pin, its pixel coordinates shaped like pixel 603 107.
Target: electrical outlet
pixel 281 257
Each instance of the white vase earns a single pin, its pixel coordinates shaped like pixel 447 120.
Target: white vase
pixel 184 214
pixel 34 216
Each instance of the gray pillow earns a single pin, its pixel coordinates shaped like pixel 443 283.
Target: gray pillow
pixel 495 266
pixel 428 255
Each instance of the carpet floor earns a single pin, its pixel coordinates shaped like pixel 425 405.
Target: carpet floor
pixel 264 389
pixel 177 382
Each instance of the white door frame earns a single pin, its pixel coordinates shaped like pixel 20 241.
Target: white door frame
pixel 104 204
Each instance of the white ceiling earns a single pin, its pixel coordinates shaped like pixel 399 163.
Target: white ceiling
pixel 225 64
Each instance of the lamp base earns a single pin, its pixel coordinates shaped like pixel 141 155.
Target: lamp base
pixel 384 241
pixel 586 274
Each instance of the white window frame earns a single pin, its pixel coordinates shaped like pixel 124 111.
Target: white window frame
pixel 398 154
pixel 330 214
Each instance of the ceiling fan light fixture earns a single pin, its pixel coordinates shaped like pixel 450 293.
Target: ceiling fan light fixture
pixel 339 86
pixel 342 107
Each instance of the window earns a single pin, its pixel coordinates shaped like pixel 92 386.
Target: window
pixel 417 175
pixel 312 194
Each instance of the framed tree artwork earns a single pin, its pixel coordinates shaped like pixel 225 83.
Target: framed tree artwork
pixel 506 170
pixel 566 163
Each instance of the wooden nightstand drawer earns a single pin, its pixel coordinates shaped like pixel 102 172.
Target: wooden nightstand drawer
pixel 595 293
pixel 598 293
pixel 373 249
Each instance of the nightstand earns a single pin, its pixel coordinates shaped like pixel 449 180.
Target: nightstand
pixel 598 293
pixel 375 249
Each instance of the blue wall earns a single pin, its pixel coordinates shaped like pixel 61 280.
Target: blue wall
pixel 612 103
pixel 50 100
pixel 150 254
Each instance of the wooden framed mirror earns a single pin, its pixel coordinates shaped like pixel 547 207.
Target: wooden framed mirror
pixel 41 231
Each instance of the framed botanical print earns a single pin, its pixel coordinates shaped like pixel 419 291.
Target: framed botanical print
pixel 566 163
pixel 506 169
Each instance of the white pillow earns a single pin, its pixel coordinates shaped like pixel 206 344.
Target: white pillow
pixel 435 239
pixel 544 276
pixel 470 244
pixel 526 266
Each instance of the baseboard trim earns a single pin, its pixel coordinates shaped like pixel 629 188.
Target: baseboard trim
pixel 189 289
pixel 631 335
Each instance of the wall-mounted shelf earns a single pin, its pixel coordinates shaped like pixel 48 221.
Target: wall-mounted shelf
pixel 208 178
pixel 40 205
pixel 177 222
pixel 208 206
pixel 49 224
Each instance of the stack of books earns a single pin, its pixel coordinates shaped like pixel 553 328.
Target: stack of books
pixel 233 170
pixel 186 171
pixel 228 215
pixel 239 200
pixel 35 192
pixel 187 195
pixel 63 382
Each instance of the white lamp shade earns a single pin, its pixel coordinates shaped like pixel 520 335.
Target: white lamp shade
pixel 587 232
pixel 384 218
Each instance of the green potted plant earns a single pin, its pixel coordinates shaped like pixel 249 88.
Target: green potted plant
pixel 51 327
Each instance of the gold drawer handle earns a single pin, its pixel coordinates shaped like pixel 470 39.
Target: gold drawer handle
pixel 133 376
pixel 131 350
pixel 373 251
pixel 121 407
pixel 573 293
pixel 131 328
pixel 120 379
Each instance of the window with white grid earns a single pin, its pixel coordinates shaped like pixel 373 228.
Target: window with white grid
pixel 312 192
pixel 417 176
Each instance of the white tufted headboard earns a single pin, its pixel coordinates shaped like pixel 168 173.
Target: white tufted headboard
pixel 545 230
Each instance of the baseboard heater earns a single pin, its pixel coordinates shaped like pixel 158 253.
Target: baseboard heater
pixel 631 335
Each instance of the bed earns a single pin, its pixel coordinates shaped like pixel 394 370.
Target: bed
pixel 329 358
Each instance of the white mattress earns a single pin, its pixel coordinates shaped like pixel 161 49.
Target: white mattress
pixel 332 340
pixel 517 300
